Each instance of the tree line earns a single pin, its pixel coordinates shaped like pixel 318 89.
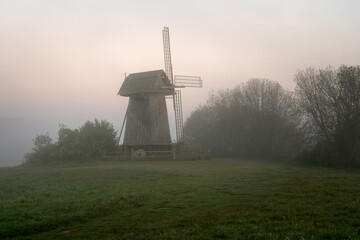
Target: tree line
pixel 74 145
pixel 318 122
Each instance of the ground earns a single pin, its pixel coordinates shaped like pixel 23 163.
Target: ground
pixel 204 199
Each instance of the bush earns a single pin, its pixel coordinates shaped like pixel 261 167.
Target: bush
pixel 78 145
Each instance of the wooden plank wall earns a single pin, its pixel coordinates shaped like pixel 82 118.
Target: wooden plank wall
pixel 147 121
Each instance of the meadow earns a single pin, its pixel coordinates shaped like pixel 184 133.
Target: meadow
pixel 202 199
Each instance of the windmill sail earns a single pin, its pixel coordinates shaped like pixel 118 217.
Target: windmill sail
pixel 167 54
pixel 180 81
pixel 177 96
pixel 188 81
pixel 178 117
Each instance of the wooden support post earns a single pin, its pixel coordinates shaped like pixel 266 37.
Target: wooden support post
pixel 132 154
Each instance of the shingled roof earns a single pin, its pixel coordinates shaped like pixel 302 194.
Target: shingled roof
pixel 146 83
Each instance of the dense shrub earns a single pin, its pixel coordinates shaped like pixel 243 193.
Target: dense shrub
pixel 83 144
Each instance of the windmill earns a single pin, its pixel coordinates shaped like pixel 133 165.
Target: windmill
pixel 178 81
pixel 147 125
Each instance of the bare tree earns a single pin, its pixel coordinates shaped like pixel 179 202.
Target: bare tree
pixel 330 104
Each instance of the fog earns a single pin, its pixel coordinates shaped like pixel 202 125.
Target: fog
pixel 64 61
pixel 16 138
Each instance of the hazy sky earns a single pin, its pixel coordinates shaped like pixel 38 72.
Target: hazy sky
pixel 64 61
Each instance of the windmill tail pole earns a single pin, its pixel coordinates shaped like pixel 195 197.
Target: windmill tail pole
pixel 123 124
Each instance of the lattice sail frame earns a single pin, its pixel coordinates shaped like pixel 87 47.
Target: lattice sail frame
pixel 179 117
pixel 167 54
pixel 188 81
pixel 178 81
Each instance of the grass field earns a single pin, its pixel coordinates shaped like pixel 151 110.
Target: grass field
pixel 207 199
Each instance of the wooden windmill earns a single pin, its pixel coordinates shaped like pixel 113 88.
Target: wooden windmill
pixel 147 124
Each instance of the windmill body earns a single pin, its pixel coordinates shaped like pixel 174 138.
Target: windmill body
pixel 147 124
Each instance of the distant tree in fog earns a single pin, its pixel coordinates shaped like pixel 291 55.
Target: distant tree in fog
pixel 42 141
pixel 44 150
pixel 258 118
pixel 69 146
pixel 199 127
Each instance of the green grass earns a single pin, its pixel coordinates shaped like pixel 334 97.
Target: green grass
pixel 207 199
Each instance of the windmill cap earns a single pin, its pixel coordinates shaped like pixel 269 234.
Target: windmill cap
pixel 146 83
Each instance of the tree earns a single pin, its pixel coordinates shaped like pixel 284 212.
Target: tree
pixel 330 103
pixel 199 128
pixel 69 145
pixel 42 141
pixel 44 150
pixel 257 118
pixel 96 137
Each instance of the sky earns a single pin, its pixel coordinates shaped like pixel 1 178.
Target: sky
pixel 64 61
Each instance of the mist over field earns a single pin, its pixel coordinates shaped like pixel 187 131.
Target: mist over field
pixel 63 62
pixel 16 135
